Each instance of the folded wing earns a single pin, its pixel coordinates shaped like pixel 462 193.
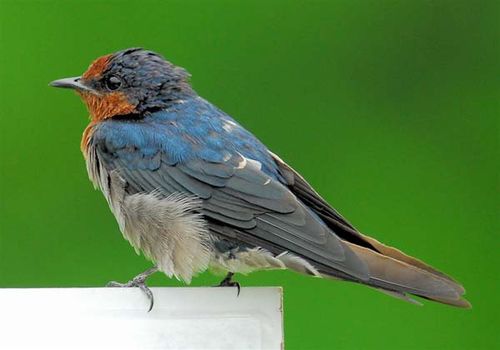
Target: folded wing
pixel 240 202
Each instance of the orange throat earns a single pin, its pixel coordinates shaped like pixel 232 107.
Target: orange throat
pixel 102 107
pixel 87 134
pixel 106 106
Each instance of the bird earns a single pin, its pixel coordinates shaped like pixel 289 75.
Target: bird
pixel 193 190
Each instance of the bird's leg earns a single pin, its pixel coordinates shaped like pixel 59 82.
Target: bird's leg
pixel 139 281
pixel 228 282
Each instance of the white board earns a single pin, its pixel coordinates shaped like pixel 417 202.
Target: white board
pixel 109 318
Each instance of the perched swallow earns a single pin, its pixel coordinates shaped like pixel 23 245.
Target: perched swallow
pixel 192 189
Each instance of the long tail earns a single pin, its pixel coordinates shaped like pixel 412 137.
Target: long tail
pixel 396 273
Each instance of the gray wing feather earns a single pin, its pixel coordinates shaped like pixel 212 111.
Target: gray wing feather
pixel 229 210
pixel 239 195
pixel 307 195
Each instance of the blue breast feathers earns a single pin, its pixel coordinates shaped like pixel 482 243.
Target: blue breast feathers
pixel 195 129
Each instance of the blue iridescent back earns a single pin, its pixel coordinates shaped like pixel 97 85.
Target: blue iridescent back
pixel 193 129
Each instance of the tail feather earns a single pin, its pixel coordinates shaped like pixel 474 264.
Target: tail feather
pixel 399 255
pixel 399 295
pixel 397 273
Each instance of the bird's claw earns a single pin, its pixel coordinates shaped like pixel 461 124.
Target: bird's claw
pixel 118 284
pixel 149 295
pixel 228 282
pixel 138 282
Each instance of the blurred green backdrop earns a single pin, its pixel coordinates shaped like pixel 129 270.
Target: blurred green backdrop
pixel 389 108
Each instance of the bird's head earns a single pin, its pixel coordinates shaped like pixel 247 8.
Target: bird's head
pixel 132 81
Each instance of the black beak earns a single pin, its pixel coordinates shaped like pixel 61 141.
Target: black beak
pixel 71 83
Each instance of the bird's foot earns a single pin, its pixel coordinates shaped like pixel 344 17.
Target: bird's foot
pixel 136 282
pixel 228 282
pixel 139 281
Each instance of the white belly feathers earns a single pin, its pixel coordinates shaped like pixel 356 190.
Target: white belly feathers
pixel 166 229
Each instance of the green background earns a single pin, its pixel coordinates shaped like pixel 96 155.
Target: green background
pixel 389 108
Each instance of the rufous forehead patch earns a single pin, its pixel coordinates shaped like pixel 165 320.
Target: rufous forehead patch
pixel 97 67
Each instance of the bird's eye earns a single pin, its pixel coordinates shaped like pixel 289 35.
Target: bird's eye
pixel 113 82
